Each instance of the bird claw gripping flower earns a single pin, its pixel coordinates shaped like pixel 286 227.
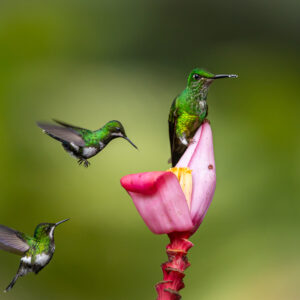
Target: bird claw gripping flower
pixel 174 202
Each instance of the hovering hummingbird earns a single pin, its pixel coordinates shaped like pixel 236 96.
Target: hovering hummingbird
pixel 83 143
pixel 189 110
pixel 36 251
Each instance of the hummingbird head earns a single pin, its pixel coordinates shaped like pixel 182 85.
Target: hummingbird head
pixel 116 130
pixel 199 80
pixel 46 229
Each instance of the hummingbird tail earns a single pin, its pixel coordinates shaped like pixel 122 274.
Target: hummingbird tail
pixel 10 286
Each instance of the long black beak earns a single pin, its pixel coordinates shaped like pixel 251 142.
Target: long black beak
pixel 56 224
pixel 126 138
pixel 225 76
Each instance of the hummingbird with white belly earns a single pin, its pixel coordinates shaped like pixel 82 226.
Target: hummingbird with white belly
pixel 83 143
pixel 36 251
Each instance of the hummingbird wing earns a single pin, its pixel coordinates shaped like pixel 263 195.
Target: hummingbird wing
pixel 177 148
pixel 68 125
pixel 12 241
pixel 62 134
pixel 172 132
pixel 172 123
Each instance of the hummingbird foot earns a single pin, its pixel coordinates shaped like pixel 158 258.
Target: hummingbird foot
pixel 191 141
pixel 206 121
pixel 83 161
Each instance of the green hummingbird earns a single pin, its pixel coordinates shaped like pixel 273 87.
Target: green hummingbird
pixel 83 143
pixel 189 110
pixel 36 251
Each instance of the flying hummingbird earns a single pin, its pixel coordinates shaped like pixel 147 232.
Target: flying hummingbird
pixel 189 110
pixel 83 143
pixel 36 251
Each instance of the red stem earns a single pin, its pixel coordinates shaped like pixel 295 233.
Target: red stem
pixel 173 270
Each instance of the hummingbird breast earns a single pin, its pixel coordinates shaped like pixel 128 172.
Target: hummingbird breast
pixel 42 259
pixel 198 108
pixel 33 263
pixel 88 152
pixel 79 152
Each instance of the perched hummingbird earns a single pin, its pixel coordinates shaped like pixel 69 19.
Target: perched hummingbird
pixel 189 110
pixel 83 143
pixel 36 251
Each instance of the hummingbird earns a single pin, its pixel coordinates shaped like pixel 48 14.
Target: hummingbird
pixel 83 143
pixel 36 251
pixel 189 110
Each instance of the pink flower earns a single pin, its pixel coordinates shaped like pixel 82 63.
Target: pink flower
pixel 177 200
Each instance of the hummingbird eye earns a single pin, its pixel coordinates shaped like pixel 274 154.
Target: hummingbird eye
pixel 196 76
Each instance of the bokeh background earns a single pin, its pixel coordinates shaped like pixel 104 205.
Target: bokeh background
pixel 87 62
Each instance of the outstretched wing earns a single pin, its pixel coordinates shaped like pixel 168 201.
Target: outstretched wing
pixel 62 134
pixel 12 241
pixel 68 125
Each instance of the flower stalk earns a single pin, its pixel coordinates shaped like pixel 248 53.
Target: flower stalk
pixel 173 269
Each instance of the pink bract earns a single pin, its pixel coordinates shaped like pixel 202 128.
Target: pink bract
pixel 159 198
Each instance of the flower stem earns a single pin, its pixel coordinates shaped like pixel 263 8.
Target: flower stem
pixel 173 269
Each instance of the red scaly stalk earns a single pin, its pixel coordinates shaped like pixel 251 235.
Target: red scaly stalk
pixel 173 270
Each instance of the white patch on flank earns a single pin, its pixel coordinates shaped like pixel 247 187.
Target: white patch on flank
pixel 75 147
pixel 89 151
pixel 42 259
pixel 26 259
pixel 183 140
pixel 72 154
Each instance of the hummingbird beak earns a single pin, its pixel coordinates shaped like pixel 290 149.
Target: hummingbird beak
pixel 56 224
pixel 225 76
pixel 126 138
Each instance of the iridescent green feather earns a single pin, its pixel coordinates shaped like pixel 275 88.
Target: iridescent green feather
pixel 189 110
pixel 92 138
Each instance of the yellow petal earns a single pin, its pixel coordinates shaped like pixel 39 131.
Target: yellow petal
pixel 184 176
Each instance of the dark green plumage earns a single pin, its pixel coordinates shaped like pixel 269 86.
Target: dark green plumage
pixel 36 251
pixel 188 111
pixel 84 143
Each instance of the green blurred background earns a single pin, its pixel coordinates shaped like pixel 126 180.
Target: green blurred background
pixel 87 62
